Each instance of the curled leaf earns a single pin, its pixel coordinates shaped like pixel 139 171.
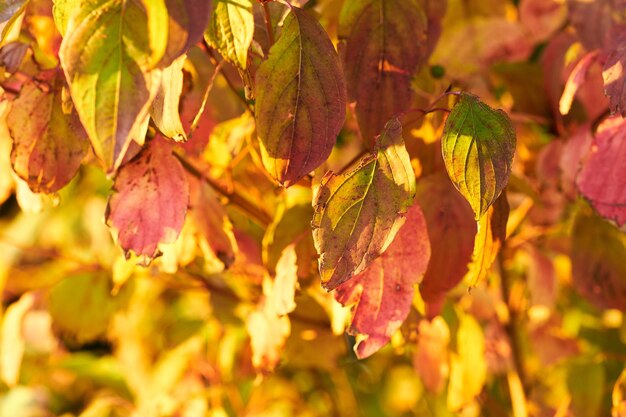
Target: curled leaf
pixel 488 241
pixel 164 109
pixel 478 145
pixel 149 201
pixel 357 214
pixel 231 29
pixel 382 294
pixel 49 142
pixel 385 42
pixel 301 100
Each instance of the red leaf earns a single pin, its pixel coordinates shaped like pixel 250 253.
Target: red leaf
pixel 593 19
pixel 573 152
pixel 385 42
pixel 431 358
pixel 382 294
pixel 451 228
pixel 576 78
pixel 602 179
pixel 149 202
pixel 187 21
pixel 598 267
pixel 49 142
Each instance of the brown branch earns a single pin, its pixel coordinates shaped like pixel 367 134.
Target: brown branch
pixel 233 197
pixel 268 22
pixel 215 61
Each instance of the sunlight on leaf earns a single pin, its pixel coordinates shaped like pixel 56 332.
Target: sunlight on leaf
pixel 358 213
pixel 231 29
pixel 478 145
pixel 301 99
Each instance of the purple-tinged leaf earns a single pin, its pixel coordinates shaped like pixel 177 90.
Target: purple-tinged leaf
pixel 149 201
pixel 383 293
pixel 49 142
pixel 613 71
pixel 385 43
pixel 301 99
pixel 602 179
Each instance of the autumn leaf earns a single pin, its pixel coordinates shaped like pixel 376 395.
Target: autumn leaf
pixel 285 282
pixel 381 295
pixel 231 29
pixel 598 268
pixel 164 109
pixel 187 21
pixel 49 143
pixel 602 178
pixel 613 71
pixel 156 11
pixel 105 56
pixel 468 368
pixel 431 357
pixel 577 77
pixel 301 99
pixel 478 145
pixel 149 201
pixel 81 305
pixel 211 220
pixel 490 234
pixel 592 20
pixel 358 213
pixel 451 229
pixel 385 43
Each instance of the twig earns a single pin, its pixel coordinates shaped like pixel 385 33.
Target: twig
pixel 237 199
pixel 268 22
pixel 215 61
pixel 205 98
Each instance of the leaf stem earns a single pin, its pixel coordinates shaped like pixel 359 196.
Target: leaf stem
pixel 268 22
pixel 215 61
pixel 233 197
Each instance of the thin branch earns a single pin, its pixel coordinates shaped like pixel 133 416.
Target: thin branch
pixel 205 98
pixel 268 22
pixel 233 197
pixel 215 61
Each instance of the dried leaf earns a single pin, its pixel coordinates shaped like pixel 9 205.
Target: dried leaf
pixel 451 229
pixel 381 295
pixel 281 299
pixel 300 105
pixel 231 29
pixel 149 201
pixel 385 43
pixel 491 232
pixel 49 142
pixel 602 179
pixel 597 254
pixel 478 145
pixel 357 214
pixel 164 109
pixel 104 56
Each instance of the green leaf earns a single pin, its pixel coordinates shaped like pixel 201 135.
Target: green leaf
pixel 164 109
pixel 301 100
pixel 586 381
pixel 385 43
pixel 81 305
pixel 49 143
pixel 478 145
pixel 62 11
pixel 231 30
pixel 357 214
pixel 106 58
